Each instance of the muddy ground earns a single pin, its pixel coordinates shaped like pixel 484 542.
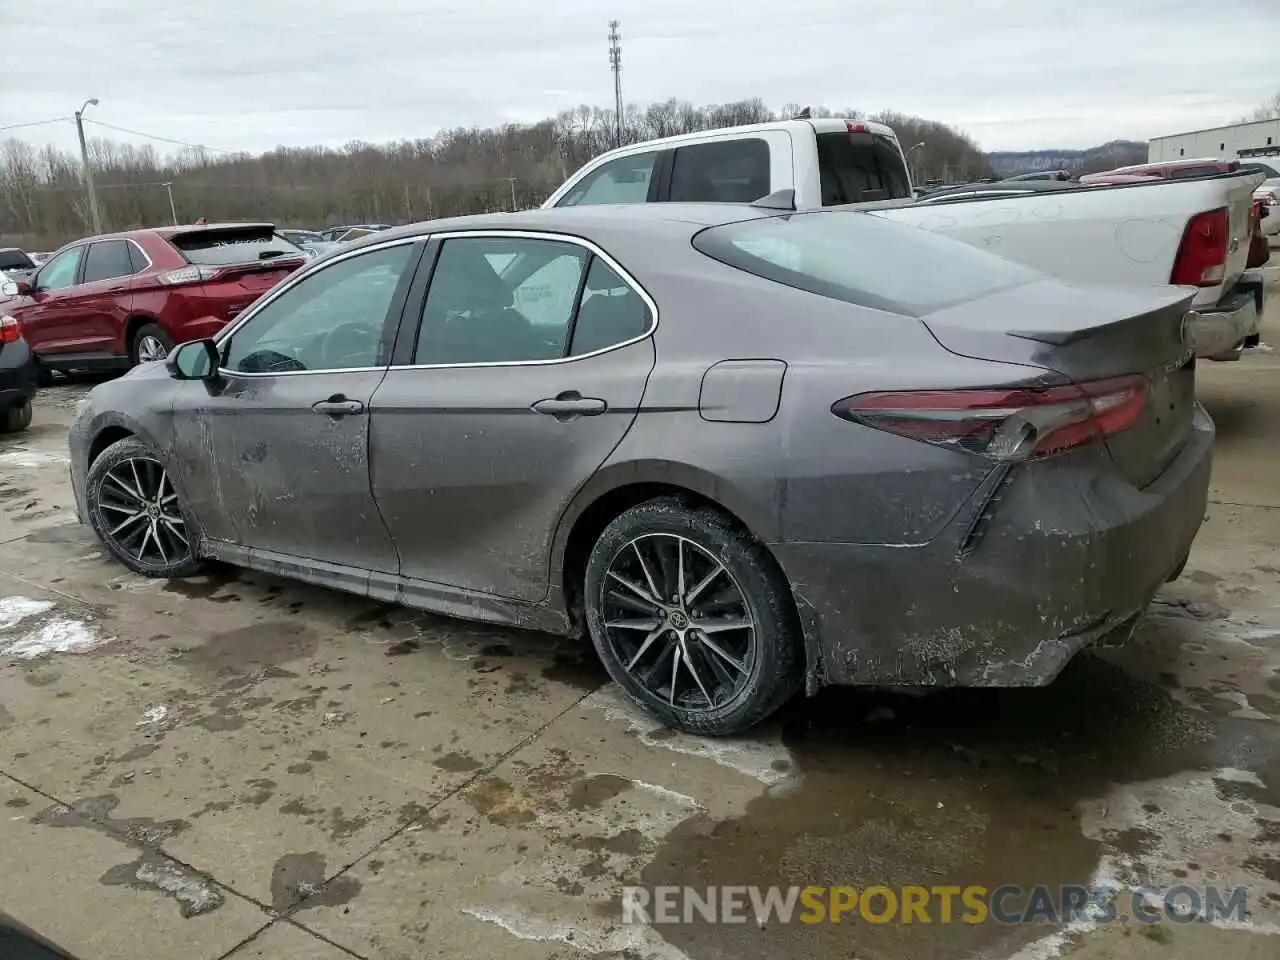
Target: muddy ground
pixel 238 766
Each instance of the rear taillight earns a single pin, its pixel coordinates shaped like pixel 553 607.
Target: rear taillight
pixel 1202 255
pixel 192 274
pixel 1004 424
pixel 10 329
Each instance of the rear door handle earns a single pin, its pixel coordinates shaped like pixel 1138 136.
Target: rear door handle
pixel 571 404
pixel 338 406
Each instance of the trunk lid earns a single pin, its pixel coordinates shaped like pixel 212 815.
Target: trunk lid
pixel 1092 333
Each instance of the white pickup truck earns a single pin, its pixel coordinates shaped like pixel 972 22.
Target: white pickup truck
pixel 1193 232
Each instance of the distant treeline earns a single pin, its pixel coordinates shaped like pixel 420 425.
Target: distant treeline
pixel 43 204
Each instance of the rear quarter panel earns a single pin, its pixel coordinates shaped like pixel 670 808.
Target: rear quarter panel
pixel 806 474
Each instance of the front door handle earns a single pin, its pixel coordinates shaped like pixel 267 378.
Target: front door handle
pixel 570 404
pixel 338 406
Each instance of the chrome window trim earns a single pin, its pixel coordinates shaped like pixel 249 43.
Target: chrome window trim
pixel 137 246
pixel 626 277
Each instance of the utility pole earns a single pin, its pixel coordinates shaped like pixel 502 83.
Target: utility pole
pixel 615 64
pixel 173 211
pixel 88 171
pixel 512 181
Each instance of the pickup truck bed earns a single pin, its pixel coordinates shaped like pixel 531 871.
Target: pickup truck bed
pixel 1126 233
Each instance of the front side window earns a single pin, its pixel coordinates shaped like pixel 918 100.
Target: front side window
pixel 60 272
pixel 500 300
pixel 863 259
pixel 625 180
pixel 729 171
pixel 106 260
pixel 333 319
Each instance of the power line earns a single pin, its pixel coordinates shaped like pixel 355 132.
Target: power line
pixel 33 123
pixel 152 136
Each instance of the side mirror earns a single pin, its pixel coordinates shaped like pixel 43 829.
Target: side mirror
pixel 194 360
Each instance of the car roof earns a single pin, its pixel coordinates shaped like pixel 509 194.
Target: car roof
pixel 589 220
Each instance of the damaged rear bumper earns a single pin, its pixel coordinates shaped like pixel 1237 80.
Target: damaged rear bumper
pixel 1045 560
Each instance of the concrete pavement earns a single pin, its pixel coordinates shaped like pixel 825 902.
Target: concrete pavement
pixel 240 766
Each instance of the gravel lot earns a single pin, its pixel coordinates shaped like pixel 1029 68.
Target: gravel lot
pixel 239 766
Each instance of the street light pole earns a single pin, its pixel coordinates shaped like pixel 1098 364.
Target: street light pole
pixel 88 171
pixel 173 212
pixel 512 181
pixel 914 168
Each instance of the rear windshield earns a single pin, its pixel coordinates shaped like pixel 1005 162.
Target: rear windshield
pixel 860 168
pixel 15 260
pixel 219 247
pixel 863 259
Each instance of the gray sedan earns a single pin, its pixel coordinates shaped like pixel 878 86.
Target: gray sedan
pixel 745 452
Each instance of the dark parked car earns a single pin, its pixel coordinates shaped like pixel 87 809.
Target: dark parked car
pixel 16 264
pixel 119 299
pixel 741 449
pixel 17 376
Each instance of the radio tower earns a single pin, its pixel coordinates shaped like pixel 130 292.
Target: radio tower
pixel 615 64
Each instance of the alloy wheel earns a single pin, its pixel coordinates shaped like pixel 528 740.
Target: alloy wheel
pixel 138 510
pixel 150 348
pixel 678 622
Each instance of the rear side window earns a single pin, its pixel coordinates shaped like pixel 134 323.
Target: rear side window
pixel 625 180
pixel 107 260
pixel 220 247
pixel 862 259
pixel 729 171
pixel 860 168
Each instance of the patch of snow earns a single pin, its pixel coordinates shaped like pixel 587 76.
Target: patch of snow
pixel 195 893
pixel 13 610
pixel 589 936
pixel 60 635
pixel 27 458
pixel 154 715
pixel 760 755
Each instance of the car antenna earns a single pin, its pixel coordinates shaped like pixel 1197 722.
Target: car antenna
pixel 778 200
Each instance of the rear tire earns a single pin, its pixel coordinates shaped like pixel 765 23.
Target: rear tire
pixel 150 342
pixel 17 418
pixel 137 514
pixel 717 681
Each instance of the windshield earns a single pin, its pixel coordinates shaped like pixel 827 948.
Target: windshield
pixel 864 259
pixel 223 246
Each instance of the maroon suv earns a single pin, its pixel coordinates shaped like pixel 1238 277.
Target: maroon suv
pixel 118 299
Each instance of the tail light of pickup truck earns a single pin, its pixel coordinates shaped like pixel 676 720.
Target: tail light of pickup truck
pixel 1202 255
pixel 10 329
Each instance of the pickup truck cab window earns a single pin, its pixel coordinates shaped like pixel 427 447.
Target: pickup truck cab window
pixel 624 180
pixel 861 167
pixel 60 272
pixel 723 171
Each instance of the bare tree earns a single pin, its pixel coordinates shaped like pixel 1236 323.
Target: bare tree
pixel 458 171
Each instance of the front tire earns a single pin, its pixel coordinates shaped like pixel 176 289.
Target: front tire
pixel 136 512
pixel 150 342
pixel 692 617
pixel 17 418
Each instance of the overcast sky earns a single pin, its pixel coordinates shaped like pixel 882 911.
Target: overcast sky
pixel 253 74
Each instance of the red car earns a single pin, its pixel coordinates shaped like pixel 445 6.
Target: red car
pixel 118 299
